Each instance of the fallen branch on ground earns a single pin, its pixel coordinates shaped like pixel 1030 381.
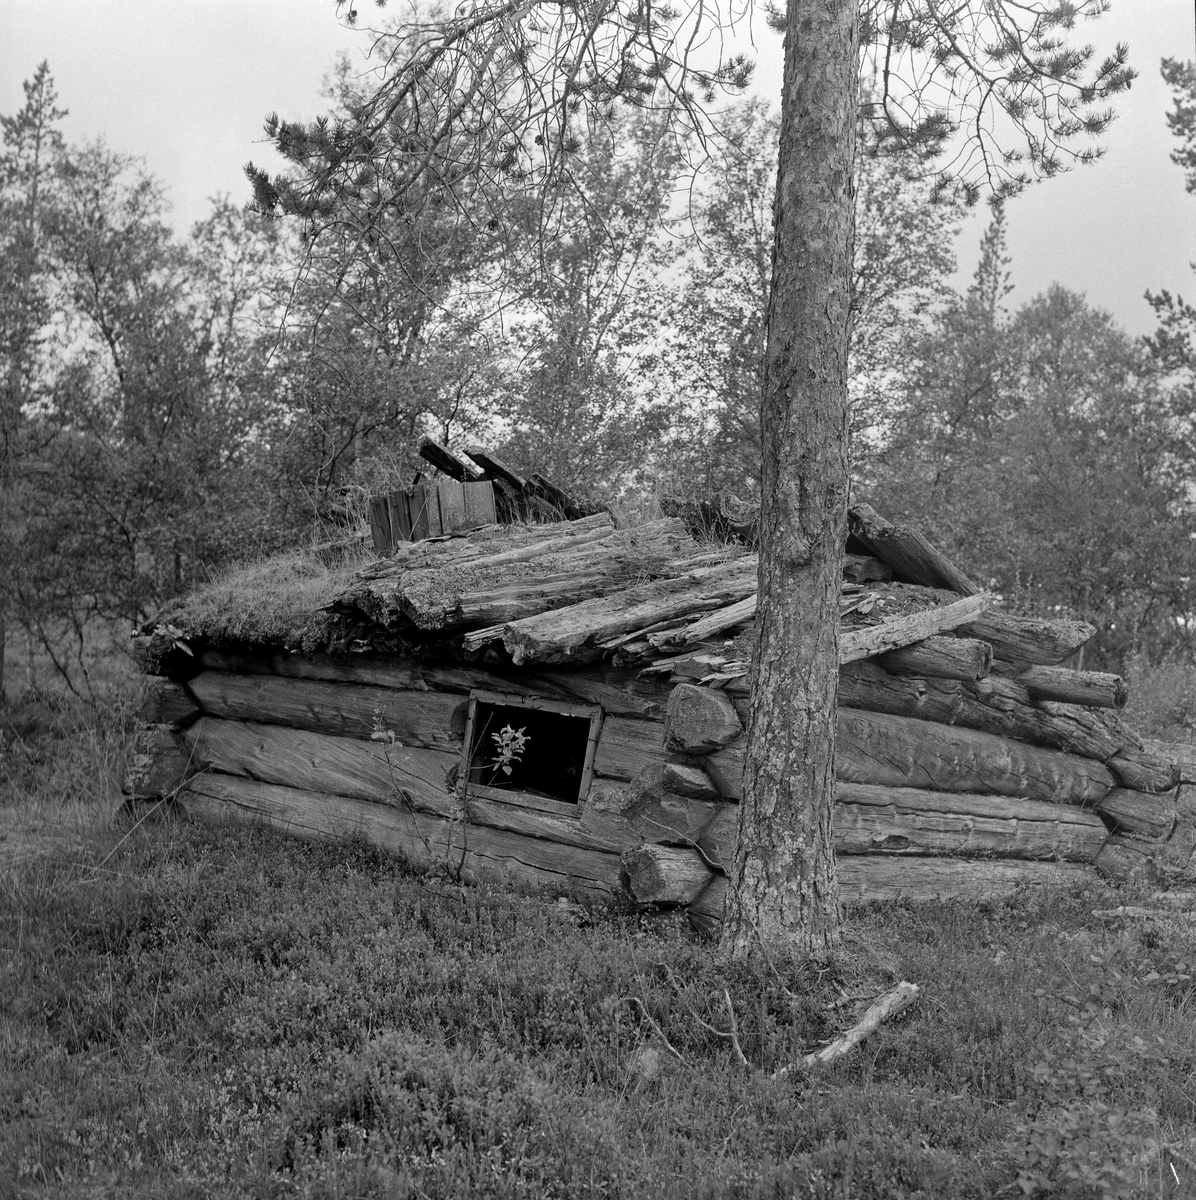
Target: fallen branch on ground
pixel 1136 911
pixel 889 1005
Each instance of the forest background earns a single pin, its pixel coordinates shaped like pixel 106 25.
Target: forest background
pixel 171 405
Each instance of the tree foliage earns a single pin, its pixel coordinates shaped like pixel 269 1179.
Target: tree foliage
pixel 487 99
pixel 711 341
pixel 576 327
pixel 1046 450
pixel 1181 78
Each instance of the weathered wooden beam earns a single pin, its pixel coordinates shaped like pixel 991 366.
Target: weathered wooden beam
pixel 496 467
pixel 938 657
pixel 560 635
pixel 398 512
pixel 427 719
pixel 896 751
pixel 665 874
pixel 1140 813
pixel 507 587
pixel 870 819
pixel 911 556
pixel 892 634
pixel 1092 689
pixel 523 597
pixel 609 836
pixel 449 461
pixel 670 875
pixel 376 670
pixel 1029 641
pixel 426 841
pixel 1133 766
pixel 863 568
pixel 480 507
pixel 390 775
pixel 1144 772
pixel 617 692
pixel 380 525
pixel 711 625
pixel 996 704
pixel 1183 755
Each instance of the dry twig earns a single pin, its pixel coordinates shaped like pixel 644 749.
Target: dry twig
pixel 888 1005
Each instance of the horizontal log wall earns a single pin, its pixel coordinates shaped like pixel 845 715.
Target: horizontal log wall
pixel 323 763
pixel 620 693
pixel 419 719
pixel 872 748
pixel 422 839
pixel 896 820
pixel 304 724
pixel 904 752
pixel 502 855
pixel 867 820
pixel 431 720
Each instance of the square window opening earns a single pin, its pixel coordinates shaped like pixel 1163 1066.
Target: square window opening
pixel 525 746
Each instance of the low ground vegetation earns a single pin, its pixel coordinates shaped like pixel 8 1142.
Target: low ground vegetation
pixel 188 1011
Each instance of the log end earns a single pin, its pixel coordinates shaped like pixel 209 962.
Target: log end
pixel 1127 860
pixel 664 875
pixel 158 764
pixel 700 720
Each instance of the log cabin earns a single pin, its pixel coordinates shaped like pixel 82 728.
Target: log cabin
pixel 563 705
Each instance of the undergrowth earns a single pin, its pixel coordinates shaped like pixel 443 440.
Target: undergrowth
pixel 1162 699
pixel 190 1011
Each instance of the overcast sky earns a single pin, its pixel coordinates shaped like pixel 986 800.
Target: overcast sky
pixel 186 85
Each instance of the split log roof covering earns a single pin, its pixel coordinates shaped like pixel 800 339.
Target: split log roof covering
pixel 574 592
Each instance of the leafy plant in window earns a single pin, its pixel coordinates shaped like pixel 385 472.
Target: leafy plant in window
pixel 510 745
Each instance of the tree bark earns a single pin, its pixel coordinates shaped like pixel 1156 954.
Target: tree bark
pixel 784 892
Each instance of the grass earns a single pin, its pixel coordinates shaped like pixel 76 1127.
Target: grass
pixel 274 601
pixel 188 1011
pixel 1162 699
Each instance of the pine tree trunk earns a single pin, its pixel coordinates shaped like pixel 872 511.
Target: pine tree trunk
pixel 784 891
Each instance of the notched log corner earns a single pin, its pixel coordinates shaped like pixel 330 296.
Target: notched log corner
pixel 159 764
